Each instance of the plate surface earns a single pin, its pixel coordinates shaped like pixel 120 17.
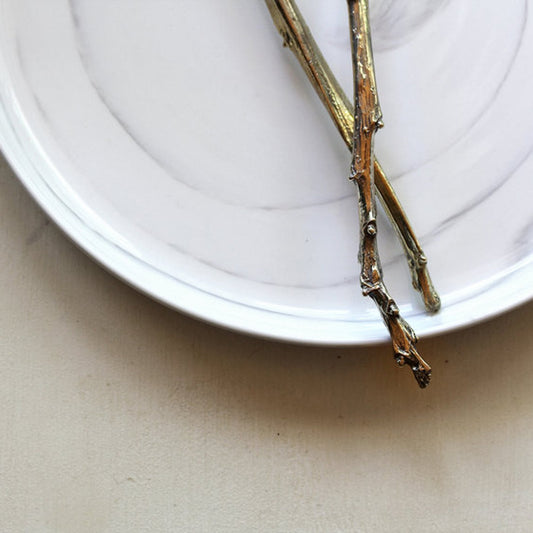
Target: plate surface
pixel 179 144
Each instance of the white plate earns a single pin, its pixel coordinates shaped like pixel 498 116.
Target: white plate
pixel 179 144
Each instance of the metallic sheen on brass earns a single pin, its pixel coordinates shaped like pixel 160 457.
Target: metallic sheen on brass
pixel 367 121
pixel 297 36
pixel 358 134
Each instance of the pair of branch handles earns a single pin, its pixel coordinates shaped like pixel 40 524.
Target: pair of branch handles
pixel 357 125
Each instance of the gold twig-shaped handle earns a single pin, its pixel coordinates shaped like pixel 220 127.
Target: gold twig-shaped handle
pixel 299 39
pixel 367 122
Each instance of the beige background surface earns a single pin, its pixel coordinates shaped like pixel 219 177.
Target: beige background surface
pixel 119 415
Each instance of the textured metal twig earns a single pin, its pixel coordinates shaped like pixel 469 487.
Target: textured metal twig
pixel 367 121
pixel 297 36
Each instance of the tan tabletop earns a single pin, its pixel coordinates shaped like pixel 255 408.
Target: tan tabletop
pixel 119 415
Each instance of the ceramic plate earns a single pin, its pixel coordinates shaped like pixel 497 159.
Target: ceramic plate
pixel 181 146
